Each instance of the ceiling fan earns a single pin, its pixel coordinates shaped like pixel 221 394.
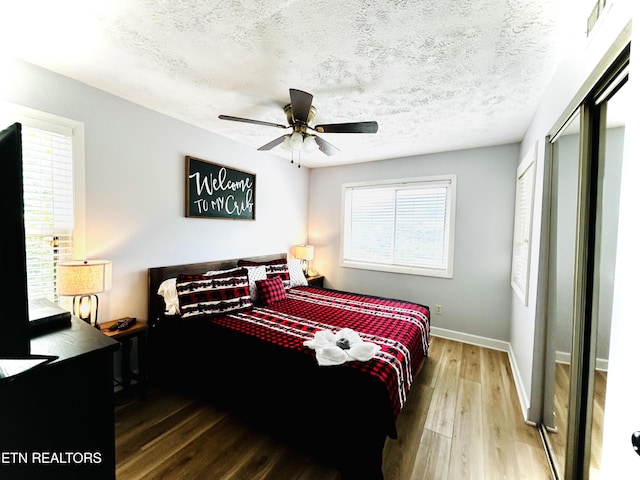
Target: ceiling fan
pixel 300 114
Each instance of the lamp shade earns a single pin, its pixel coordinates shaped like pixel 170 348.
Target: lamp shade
pixel 304 252
pixel 84 277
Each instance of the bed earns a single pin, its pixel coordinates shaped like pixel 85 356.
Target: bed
pixel 251 335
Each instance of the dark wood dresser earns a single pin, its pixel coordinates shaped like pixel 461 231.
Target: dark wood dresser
pixel 57 419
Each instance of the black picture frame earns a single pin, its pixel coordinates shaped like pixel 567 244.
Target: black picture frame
pixel 219 191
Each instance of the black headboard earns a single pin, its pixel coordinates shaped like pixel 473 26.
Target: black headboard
pixel 157 275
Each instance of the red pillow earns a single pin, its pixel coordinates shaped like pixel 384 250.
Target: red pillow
pixel 270 290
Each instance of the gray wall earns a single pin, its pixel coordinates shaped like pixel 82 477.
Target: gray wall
pixel 561 290
pixel 567 151
pixel 477 300
pixel 135 186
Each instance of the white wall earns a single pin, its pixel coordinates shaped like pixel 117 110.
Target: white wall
pixel 135 186
pixel 477 299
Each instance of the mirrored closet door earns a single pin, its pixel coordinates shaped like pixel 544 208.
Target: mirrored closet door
pixel 585 168
pixel 561 284
pixel 613 118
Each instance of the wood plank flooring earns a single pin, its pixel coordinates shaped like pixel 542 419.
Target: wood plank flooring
pixel 558 439
pixel 462 421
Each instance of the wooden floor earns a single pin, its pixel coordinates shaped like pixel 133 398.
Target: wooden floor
pixel 462 421
pixel 558 439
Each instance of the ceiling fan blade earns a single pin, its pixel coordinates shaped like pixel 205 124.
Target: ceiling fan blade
pixel 326 147
pixel 352 127
pixel 300 105
pixel 249 120
pixel 273 143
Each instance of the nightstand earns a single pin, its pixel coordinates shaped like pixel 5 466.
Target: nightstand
pixel 137 330
pixel 316 281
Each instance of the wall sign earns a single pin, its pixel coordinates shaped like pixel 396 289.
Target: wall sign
pixel 218 191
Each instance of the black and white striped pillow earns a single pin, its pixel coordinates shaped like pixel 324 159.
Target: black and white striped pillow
pixel 213 294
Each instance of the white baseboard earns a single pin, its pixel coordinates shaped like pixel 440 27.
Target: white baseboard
pixel 493 344
pixel 471 339
pixel 602 364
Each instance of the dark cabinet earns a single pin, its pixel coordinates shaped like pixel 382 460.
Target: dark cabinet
pixel 57 420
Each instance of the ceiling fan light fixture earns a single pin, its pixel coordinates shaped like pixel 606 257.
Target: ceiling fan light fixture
pixel 300 114
pixel 309 144
pixel 296 141
pixel 286 143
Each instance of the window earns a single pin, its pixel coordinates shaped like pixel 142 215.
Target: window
pixel 403 226
pixel 522 226
pixel 51 160
pixel 48 206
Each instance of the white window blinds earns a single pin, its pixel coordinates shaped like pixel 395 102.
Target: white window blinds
pixel 48 196
pixel 522 227
pixel 404 226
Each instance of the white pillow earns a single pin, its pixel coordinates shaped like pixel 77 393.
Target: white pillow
pixel 296 275
pixel 255 273
pixel 168 291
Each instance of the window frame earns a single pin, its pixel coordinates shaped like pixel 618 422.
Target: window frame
pixel 11 113
pixel 439 180
pixel 522 232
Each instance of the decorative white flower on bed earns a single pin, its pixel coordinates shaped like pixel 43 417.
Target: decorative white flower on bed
pixel 343 346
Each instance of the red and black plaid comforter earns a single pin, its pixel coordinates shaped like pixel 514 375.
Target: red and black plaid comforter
pixel 400 328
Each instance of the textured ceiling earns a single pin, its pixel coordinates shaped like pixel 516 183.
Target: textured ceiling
pixel 436 75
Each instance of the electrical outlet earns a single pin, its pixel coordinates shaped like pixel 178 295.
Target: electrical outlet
pixel 438 309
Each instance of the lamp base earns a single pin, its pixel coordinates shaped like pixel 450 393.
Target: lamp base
pixel 85 307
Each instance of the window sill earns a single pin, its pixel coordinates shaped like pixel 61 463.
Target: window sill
pixel 425 272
